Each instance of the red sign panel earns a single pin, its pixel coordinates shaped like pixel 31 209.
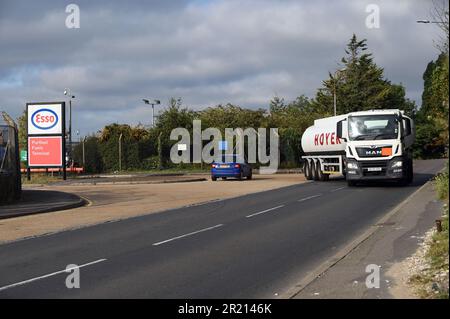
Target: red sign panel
pixel 45 151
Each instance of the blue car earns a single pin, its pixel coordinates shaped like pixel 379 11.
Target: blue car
pixel 234 169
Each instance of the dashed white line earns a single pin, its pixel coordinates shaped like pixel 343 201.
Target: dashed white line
pixel 337 189
pixel 49 275
pixel 264 211
pixel 310 197
pixel 186 235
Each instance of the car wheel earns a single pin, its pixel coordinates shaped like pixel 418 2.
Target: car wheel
pixel 224 178
pixel 213 178
pixel 250 176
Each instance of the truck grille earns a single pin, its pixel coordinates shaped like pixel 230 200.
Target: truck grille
pixel 369 166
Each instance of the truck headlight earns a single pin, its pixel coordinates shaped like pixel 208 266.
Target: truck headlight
pixel 397 164
pixel 351 165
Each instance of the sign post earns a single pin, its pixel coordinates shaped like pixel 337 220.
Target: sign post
pixel 46 136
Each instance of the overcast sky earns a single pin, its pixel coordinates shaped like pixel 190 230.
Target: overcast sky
pixel 206 52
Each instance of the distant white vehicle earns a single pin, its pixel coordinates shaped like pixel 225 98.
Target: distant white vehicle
pixel 362 146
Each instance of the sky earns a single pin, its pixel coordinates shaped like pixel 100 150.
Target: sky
pixel 205 52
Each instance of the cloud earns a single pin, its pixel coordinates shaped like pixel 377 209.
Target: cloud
pixel 206 52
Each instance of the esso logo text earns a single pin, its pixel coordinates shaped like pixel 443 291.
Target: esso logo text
pixel 44 119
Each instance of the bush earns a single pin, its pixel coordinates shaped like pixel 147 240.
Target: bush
pixel 441 182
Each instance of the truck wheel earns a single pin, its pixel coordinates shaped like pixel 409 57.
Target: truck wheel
pixel 307 170
pixel 351 183
pixel 320 175
pixel 314 174
pixel 410 173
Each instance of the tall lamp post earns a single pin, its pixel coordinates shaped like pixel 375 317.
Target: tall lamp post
pixel 67 93
pixel 336 77
pixel 442 26
pixel 153 103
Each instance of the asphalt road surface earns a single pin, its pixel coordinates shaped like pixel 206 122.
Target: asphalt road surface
pixel 254 246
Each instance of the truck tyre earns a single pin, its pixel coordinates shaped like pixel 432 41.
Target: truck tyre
pixel 320 175
pixel 410 175
pixel 307 170
pixel 351 183
pixel 314 174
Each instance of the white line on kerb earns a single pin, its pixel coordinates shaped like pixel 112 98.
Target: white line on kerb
pixel 310 197
pixel 49 275
pixel 337 189
pixel 186 235
pixel 264 211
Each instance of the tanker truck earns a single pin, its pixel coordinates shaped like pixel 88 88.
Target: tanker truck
pixel 362 146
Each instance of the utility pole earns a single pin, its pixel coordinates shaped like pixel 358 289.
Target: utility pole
pixel 120 152
pixel 84 157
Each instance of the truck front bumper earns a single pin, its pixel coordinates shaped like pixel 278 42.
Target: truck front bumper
pixel 375 169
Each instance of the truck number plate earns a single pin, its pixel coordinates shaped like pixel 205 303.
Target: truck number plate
pixel 374 169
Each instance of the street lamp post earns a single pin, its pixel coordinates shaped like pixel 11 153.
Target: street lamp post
pixel 442 25
pixel 428 21
pixel 67 93
pixel 153 103
pixel 336 77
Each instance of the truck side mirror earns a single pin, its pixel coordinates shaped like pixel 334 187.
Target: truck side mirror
pixel 406 127
pixel 340 132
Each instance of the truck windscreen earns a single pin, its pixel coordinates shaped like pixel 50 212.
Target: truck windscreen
pixel 373 127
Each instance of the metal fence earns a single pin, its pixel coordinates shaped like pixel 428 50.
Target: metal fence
pixel 10 178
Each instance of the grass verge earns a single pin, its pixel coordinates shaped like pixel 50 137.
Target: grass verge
pixel 433 281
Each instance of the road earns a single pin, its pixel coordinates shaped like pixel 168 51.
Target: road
pixel 254 246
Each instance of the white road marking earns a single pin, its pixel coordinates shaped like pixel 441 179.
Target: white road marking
pixel 49 275
pixel 264 211
pixel 337 189
pixel 186 235
pixel 310 197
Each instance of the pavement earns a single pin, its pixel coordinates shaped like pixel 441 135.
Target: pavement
pixel 36 199
pixel 389 242
pixel 40 201
pixel 260 245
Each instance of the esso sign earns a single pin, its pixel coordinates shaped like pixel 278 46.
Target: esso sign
pixel 44 119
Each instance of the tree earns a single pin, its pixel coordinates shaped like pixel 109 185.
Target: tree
pixel 432 118
pixel 360 86
pixel 440 15
pixel 22 121
pixel 92 155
